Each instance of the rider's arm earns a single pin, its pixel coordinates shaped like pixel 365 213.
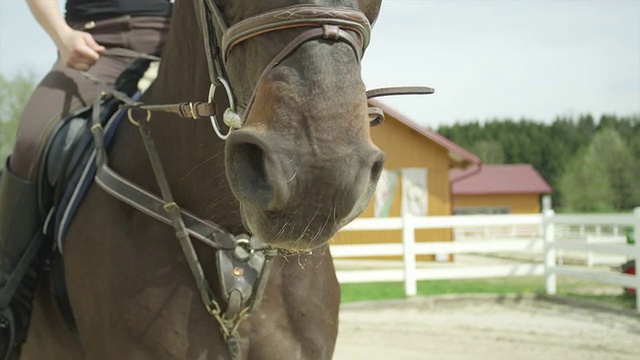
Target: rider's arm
pixel 77 49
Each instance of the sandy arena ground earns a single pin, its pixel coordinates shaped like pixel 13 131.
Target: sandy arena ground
pixel 485 327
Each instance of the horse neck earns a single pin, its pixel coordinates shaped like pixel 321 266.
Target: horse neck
pixel 190 152
pixel 183 74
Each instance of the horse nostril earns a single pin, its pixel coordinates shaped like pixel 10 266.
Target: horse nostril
pixel 377 167
pixel 247 162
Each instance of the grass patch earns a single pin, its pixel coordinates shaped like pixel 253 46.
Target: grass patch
pixel 569 287
pixel 394 290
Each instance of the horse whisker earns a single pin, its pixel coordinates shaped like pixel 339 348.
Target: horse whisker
pixel 198 166
pixel 285 181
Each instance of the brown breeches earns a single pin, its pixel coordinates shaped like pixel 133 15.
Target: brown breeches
pixel 64 90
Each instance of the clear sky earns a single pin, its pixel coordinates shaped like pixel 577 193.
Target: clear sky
pixel 486 59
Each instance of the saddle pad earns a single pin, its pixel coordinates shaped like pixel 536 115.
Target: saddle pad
pixel 80 182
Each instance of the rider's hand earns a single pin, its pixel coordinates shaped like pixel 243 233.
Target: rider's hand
pixel 78 50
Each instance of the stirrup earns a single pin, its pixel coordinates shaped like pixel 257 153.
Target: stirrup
pixel 7 326
pixel 15 279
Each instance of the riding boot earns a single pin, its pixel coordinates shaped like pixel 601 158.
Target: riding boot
pixel 21 246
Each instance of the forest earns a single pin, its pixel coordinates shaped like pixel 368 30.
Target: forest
pixel 593 165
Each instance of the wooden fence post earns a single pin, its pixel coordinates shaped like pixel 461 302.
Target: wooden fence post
pixel 549 252
pixel 409 255
pixel 590 240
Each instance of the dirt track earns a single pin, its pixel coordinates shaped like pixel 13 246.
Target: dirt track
pixel 445 328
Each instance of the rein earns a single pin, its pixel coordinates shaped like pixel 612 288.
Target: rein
pixel 243 262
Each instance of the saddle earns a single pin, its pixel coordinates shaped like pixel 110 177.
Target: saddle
pixel 67 170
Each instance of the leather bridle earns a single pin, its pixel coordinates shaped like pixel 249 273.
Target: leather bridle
pixel 336 24
pixel 242 294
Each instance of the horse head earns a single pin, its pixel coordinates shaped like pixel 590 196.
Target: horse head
pixel 302 165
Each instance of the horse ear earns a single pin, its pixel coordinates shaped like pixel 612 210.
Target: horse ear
pixel 370 8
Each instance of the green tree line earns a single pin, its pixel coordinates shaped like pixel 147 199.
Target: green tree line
pixel 591 165
pixel 14 93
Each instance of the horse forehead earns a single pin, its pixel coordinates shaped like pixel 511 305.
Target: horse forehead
pixel 235 10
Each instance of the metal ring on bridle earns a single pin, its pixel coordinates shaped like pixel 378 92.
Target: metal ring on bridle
pixel 134 121
pixel 232 106
pixel 243 251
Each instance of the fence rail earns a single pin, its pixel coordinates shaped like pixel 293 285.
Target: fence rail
pixel 547 245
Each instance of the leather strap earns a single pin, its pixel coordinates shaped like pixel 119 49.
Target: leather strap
pixel 324 32
pixel 148 203
pixel 124 52
pixel 188 110
pixel 207 14
pixel 297 16
pixel 401 90
pixel 376 115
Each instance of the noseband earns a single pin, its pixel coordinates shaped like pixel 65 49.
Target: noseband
pixel 334 24
pixel 327 23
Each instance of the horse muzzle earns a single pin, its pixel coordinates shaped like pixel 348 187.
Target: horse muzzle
pixel 298 196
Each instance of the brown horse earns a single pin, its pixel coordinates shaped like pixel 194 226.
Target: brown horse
pixel 301 167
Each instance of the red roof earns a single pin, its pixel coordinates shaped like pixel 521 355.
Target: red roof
pixel 455 152
pixel 498 179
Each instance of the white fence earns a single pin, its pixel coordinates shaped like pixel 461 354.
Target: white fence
pixel 546 245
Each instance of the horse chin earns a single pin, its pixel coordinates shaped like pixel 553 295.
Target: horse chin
pixel 284 231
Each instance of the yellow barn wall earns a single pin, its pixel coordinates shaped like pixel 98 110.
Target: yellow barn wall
pixel 405 148
pixel 518 203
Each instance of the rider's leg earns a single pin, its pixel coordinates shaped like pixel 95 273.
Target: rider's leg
pixel 20 217
pixel 21 243
pixel 61 92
